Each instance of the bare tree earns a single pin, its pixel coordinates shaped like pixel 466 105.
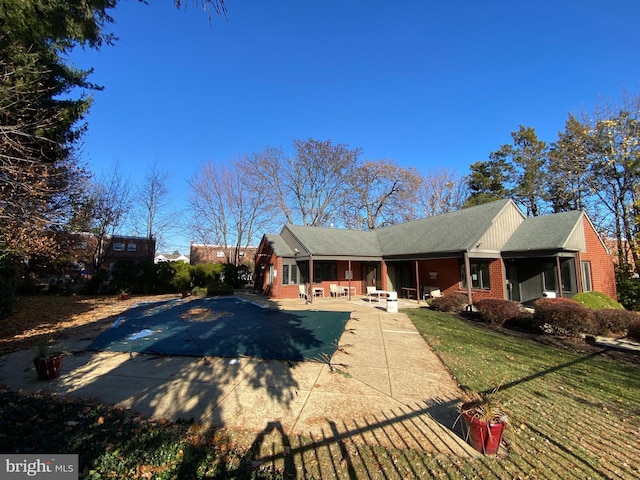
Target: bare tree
pixel 441 192
pixel 308 188
pixel 107 202
pixel 153 212
pixel 380 193
pixel 228 210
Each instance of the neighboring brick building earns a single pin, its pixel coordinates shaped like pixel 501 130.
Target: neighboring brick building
pixel 488 251
pixel 119 247
pixel 205 253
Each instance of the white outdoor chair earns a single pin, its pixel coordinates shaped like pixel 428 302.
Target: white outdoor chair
pixel 336 291
pixel 370 291
pixel 431 292
pixel 302 292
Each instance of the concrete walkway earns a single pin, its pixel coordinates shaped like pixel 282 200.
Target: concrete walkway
pixel 384 386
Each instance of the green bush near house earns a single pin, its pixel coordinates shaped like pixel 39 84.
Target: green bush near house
pixel 596 301
pixel 629 293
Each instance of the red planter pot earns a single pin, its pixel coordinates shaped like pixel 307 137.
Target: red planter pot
pixel 48 368
pixel 484 437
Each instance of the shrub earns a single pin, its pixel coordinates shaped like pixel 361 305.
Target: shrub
pixel 205 273
pixel 596 301
pixel 219 288
pixel 497 311
pixel 94 285
pixel 181 280
pixel 456 302
pixel 8 285
pixel 199 292
pixel 634 330
pixel 563 316
pixel 525 321
pixel 614 321
pixel 629 293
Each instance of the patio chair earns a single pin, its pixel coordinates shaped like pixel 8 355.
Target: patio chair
pixel 431 292
pixel 335 291
pixel 302 292
pixel 370 291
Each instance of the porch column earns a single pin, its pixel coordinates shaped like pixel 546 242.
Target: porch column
pixel 310 288
pixel 350 275
pixel 417 282
pixel 559 275
pixel 467 272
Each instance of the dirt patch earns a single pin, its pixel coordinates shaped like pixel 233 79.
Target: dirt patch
pixel 58 317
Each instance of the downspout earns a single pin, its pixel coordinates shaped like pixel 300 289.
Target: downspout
pixel 467 271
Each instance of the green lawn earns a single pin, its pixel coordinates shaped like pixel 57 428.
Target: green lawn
pixel 573 414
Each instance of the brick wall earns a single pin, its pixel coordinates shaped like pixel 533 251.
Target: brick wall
pixel 448 277
pixel 603 276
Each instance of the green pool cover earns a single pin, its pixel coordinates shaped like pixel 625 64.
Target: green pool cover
pixel 223 327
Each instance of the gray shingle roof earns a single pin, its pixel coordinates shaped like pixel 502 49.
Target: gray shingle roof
pixel 548 232
pixel 278 244
pixel 450 232
pixel 337 241
pixel 453 232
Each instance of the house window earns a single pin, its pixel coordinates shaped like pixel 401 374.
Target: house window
pixel 549 276
pixel 325 271
pixel 220 254
pixel 585 268
pixel 479 276
pixel 131 247
pixel 304 272
pixel 272 273
pixel 118 247
pixel 567 272
pixel 289 275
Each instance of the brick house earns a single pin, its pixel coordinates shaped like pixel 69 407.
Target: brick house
pixel 120 247
pixel 488 251
pixel 207 253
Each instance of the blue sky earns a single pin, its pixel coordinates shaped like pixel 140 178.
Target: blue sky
pixel 428 84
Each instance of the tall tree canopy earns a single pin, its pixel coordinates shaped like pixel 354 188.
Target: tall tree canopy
pixel 516 170
pixel 40 121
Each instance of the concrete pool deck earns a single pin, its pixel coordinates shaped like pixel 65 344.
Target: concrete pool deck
pixel 384 386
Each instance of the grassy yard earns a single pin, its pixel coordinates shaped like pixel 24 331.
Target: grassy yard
pixel 575 415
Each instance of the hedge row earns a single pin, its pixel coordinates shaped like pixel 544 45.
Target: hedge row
pixel 560 316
